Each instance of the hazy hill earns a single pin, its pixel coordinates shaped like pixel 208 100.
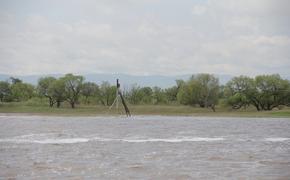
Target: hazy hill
pixel 126 80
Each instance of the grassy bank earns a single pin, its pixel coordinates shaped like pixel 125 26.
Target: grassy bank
pixel 170 110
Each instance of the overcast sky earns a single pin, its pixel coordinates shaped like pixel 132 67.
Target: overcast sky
pixel 145 37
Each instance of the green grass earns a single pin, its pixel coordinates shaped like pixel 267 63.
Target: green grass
pixel 195 111
pixel 168 110
pixel 281 113
pixel 45 110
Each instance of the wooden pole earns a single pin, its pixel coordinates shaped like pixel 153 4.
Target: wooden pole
pixel 122 99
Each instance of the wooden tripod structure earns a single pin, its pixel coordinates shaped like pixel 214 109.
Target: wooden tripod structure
pixel 116 101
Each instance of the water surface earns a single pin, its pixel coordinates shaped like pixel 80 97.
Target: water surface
pixel 144 147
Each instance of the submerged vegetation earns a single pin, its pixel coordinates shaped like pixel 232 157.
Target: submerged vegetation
pixel 202 91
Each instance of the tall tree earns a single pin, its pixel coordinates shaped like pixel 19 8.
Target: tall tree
pixel 57 91
pixel 272 91
pixel 171 93
pixel 159 96
pixel 107 93
pixel 201 89
pixel 241 92
pixel 89 89
pixel 209 90
pixel 5 91
pixel 22 91
pixel 135 95
pixel 265 92
pixel 147 95
pixel 73 85
pixel 15 80
pixel 43 88
pixel 188 93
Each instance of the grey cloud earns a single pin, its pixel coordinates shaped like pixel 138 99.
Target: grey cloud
pixel 147 37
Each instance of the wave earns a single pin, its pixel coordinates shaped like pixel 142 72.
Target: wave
pixel 173 140
pixel 47 141
pixel 63 138
pixel 57 139
pixel 279 139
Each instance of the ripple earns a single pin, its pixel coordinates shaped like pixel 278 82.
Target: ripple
pixel 173 140
pixel 279 139
pixel 47 141
pixel 56 139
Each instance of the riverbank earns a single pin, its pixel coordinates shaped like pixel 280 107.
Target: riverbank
pixel 166 110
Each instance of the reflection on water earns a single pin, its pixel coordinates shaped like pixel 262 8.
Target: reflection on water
pixel 143 147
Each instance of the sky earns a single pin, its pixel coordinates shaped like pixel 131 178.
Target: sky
pixel 145 37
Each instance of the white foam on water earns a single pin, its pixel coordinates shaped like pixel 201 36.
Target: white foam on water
pixel 60 138
pixel 52 138
pixel 45 138
pixel 47 141
pixel 104 139
pixel 169 140
pixel 173 140
pixel 62 141
pixel 279 139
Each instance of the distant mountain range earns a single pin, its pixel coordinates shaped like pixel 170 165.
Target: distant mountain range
pixel 125 79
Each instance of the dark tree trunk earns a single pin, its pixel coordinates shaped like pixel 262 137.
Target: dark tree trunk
pixel 257 107
pixel 268 107
pixel 72 104
pixel 102 102
pixel 50 102
pixel 201 105
pixel 107 101
pixel 263 107
pixel 212 107
pixel 256 104
pixel 57 104
pixel 87 101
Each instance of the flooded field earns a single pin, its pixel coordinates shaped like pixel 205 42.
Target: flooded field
pixel 144 147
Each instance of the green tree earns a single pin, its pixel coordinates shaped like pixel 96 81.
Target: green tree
pixel 73 85
pixel 5 91
pixel 208 91
pixel 171 93
pixel 272 91
pixel 43 88
pixel 15 80
pixel 57 91
pixel 107 93
pixel 138 95
pixel 265 92
pixel 241 92
pixel 159 96
pixel 147 95
pixel 188 93
pixel 22 91
pixel 89 89
pixel 287 99
pixel 135 95
pixel 222 91
pixel 202 89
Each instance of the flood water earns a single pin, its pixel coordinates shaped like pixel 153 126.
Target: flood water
pixel 144 147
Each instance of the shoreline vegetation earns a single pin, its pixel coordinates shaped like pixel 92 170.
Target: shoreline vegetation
pixel 163 110
pixel 200 95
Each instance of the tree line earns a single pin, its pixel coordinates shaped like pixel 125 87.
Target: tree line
pixel 264 92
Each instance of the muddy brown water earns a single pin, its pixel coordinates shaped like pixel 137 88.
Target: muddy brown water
pixel 144 147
